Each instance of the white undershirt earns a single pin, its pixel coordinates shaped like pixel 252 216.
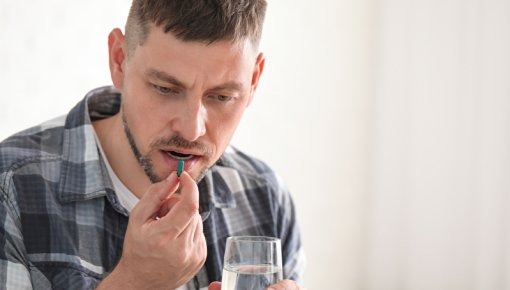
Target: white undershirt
pixel 126 198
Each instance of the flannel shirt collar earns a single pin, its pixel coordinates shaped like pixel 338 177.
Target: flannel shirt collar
pixel 80 154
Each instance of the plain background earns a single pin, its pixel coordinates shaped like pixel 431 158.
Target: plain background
pixel 387 119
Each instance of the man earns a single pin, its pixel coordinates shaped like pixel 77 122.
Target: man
pixel 93 199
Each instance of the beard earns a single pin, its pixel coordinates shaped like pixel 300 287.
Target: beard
pixel 145 161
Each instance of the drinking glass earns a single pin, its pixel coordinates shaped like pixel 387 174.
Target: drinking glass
pixel 251 263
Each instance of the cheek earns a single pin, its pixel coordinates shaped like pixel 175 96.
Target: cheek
pixel 142 122
pixel 224 126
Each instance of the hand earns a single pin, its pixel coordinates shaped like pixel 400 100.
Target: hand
pixel 282 285
pixel 164 246
pixel 285 285
pixel 214 286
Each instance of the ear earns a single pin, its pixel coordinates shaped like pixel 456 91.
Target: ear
pixel 117 55
pixel 257 72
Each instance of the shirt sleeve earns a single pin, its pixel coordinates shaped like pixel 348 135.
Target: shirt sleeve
pixel 292 251
pixel 14 273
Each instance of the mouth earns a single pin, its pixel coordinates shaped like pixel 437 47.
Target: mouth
pixel 172 158
pixel 179 155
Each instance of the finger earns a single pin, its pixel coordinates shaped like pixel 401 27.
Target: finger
pixel 189 230
pixel 199 249
pixel 198 235
pixel 285 285
pixel 215 286
pixel 151 201
pixel 194 232
pixel 202 243
pixel 168 204
pixel 181 214
pixel 189 188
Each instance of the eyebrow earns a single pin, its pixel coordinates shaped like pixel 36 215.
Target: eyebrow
pixel 229 86
pixel 164 77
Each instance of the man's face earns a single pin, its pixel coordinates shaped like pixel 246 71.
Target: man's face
pixel 184 100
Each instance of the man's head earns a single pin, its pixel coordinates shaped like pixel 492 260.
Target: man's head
pixel 196 20
pixel 187 70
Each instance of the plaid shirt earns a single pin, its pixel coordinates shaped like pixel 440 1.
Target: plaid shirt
pixel 63 227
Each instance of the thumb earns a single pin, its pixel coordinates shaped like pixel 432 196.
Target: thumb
pixel 189 189
pixel 152 199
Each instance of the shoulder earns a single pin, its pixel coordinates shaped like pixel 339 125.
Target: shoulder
pixel 34 144
pixel 255 175
pixel 27 157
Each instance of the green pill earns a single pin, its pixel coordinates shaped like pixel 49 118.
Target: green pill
pixel 180 167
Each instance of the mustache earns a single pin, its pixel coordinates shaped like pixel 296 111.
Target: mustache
pixel 180 142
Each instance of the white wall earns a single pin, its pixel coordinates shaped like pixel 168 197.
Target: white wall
pixel 440 183
pixel 310 119
pixel 52 53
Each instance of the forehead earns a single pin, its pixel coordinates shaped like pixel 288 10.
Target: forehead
pixel 163 51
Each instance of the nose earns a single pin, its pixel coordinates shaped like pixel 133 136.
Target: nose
pixel 190 121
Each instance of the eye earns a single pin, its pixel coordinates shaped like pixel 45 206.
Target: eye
pixel 220 98
pixel 164 90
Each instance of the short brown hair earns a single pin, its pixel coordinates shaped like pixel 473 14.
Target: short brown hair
pixel 196 20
